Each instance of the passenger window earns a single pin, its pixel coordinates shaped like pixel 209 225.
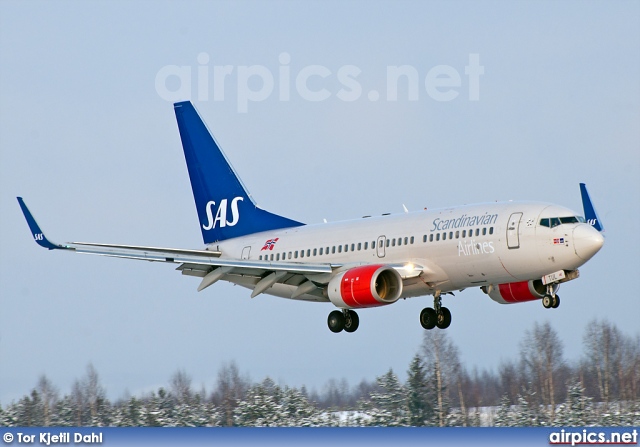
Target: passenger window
pixel 272 256
pixel 484 231
pixel 333 249
pixel 477 231
pixel 458 234
pixel 260 258
pixel 308 252
pixel 353 247
pixel 424 238
pixel 326 251
pixel 289 255
pixel 346 248
pixel 302 253
pixel 464 233
pixel 437 237
pixel 339 248
pixel 359 246
pixel 399 241
pixel 411 240
pixel 366 245
pixel 388 242
pixel 320 251
pixel 373 245
pixel 444 236
pixel 278 257
pixel 295 254
pixel 490 230
pixel 315 252
pixel 431 238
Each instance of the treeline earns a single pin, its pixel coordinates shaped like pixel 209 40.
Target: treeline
pixel 540 388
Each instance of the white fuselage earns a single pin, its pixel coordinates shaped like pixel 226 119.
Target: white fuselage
pixel 454 248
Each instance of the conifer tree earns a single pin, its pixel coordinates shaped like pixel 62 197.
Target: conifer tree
pixel 389 404
pixel 419 398
pixel 503 417
pixel 577 410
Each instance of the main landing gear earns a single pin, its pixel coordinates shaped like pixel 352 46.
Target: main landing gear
pixel 551 300
pixel 343 319
pixel 438 316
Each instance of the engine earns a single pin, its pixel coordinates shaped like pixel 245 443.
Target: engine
pixel 365 286
pixel 517 292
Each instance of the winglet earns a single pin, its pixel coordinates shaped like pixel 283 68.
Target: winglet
pixel 590 213
pixel 37 233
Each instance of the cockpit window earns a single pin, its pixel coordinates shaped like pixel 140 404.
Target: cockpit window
pixel 555 221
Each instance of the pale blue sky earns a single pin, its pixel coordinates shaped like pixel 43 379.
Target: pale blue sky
pixel 89 143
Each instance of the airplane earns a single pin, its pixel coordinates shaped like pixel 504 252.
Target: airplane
pixel 513 251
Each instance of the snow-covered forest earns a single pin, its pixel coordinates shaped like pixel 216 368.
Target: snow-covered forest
pixel 540 388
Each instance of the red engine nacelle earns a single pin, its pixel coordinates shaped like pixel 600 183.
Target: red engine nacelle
pixel 517 292
pixel 365 286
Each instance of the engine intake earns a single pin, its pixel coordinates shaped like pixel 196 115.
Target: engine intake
pixel 365 286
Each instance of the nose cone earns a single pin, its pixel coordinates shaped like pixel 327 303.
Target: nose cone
pixel 587 241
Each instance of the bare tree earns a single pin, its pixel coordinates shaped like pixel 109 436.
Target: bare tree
pixel 542 359
pixel 49 396
pixel 630 369
pixel 181 387
pixel 230 390
pixel 510 380
pixel 94 393
pixel 78 404
pixel 441 358
pixel 336 394
pixel 610 369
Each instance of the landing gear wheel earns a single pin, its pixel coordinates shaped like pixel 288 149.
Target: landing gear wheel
pixel 547 301
pixel 428 318
pixel 556 302
pixel 444 318
pixel 351 321
pixel 336 321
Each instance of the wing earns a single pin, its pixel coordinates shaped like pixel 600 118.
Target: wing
pixel 307 278
pixel 203 263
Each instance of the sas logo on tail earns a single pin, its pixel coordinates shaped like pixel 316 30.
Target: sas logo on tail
pixel 221 214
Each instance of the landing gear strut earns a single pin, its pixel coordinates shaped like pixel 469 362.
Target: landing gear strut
pixel 551 300
pixel 343 319
pixel 438 316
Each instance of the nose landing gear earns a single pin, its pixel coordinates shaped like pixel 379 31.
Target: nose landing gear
pixel 438 316
pixel 551 300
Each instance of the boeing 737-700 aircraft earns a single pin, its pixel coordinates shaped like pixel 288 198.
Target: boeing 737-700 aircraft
pixel 513 251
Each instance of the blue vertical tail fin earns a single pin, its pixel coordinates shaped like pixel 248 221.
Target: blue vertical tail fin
pixel 225 207
pixel 590 213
